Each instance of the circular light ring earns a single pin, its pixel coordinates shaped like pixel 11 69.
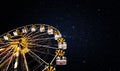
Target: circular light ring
pixel 31 49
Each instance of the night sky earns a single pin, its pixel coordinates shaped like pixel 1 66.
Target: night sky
pixel 91 29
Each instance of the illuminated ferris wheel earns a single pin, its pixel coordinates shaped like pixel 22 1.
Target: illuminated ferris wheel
pixel 35 47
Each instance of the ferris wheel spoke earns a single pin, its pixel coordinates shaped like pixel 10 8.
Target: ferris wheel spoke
pixel 3 58
pixel 42 39
pixel 45 68
pixel 9 63
pixel 25 62
pixel 53 59
pixel 41 52
pixel 5 62
pixel 36 57
pixel 45 46
pixel 8 54
pixel 29 33
pixel 12 58
pixel 37 66
pixel 6 50
pixel 2 43
pixel 33 37
pixel 5 45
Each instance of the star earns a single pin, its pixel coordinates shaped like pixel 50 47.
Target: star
pixel 98 10
pixel 73 27
pixel 84 61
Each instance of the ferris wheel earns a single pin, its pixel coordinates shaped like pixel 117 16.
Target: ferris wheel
pixel 34 47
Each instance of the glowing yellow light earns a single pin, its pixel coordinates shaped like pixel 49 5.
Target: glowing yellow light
pixel 50 68
pixel 2 49
pixel 60 52
pixel 0 40
pixel 25 50
pixel 60 40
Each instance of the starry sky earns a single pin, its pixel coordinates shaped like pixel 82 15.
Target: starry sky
pixel 91 28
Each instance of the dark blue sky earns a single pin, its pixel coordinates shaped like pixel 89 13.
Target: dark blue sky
pixel 90 28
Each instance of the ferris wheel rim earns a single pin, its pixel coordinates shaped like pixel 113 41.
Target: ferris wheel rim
pixel 57 50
